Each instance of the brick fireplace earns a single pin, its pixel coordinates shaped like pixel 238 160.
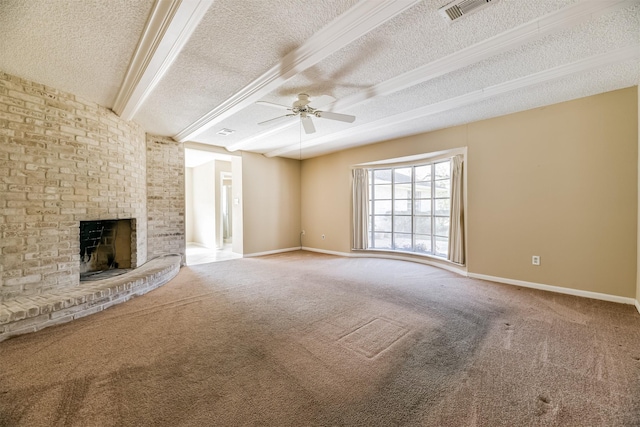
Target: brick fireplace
pixel 65 161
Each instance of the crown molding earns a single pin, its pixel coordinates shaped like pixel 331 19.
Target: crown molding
pixel 170 25
pixel 360 19
pixel 586 64
pixel 562 19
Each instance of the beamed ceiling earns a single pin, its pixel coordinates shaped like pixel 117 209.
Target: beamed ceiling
pixel 189 68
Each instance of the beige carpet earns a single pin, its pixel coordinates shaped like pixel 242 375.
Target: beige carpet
pixel 303 339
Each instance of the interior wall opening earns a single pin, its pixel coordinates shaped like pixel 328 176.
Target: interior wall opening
pixel 213 206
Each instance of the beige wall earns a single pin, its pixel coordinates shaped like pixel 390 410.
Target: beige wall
pixel 638 255
pixel 221 167
pixel 188 203
pixel 560 182
pixel 237 220
pixel 271 203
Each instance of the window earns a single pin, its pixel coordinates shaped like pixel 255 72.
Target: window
pixel 409 208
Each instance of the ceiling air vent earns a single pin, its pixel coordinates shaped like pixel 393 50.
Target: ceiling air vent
pixel 460 8
pixel 225 131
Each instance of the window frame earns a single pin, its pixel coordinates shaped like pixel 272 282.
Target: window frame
pixel 434 237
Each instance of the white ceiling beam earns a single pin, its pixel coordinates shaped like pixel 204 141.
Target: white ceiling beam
pixel 562 19
pixel 620 55
pixel 360 19
pixel 511 39
pixel 168 29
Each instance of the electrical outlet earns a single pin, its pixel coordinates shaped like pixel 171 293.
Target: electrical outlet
pixel 323 237
pixel 535 260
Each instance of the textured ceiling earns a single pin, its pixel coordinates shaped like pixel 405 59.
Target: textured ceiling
pixel 234 43
pixel 406 71
pixel 79 46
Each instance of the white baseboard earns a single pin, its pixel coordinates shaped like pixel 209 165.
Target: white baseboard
pixel 399 257
pixel 463 272
pixel 557 289
pixel 277 251
pixel 324 251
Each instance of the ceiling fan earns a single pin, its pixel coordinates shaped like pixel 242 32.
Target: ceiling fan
pixel 301 107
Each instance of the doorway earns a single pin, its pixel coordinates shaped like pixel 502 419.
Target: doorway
pixel 212 206
pixel 227 208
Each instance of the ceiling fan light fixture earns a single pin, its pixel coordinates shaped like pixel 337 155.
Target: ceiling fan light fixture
pixel 301 108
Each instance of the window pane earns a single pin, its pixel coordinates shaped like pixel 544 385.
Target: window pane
pixel 382 176
pixel 382 241
pixel 402 175
pixel 443 170
pixel 419 197
pixel 382 207
pixel 422 207
pixel 442 188
pixel 402 224
pixel 402 241
pixel 382 191
pixel 442 245
pixel 442 206
pixel 423 173
pixel 402 191
pixel 423 243
pixel 423 190
pixel 402 207
pixel 442 226
pixel 382 223
pixel 422 225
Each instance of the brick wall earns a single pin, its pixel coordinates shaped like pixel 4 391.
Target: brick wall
pixel 165 197
pixel 63 160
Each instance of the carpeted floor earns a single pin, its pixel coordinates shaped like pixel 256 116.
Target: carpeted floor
pixel 302 339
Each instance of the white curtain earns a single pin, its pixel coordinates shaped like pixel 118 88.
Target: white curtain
pixel 456 223
pixel 360 208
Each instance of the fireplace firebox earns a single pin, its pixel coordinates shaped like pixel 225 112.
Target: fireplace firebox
pixel 104 245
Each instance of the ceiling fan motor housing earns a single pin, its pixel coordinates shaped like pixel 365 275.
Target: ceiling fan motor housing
pixel 303 99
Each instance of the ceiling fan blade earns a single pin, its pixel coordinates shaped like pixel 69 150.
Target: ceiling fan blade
pixel 335 116
pixel 276 120
pixel 307 124
pixel 271 104
pixel 322 100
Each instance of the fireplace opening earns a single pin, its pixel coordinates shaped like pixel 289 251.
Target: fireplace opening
pixel 105 248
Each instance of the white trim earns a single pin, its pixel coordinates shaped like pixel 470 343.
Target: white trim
pixel 565 70
pixel 508 40
pixel 416 158
pixel 324 251
pixel 560 20
pixel 276 251
pixel 170 25
pixel 556 289
pixel 397 257
pixel 354 23
pixel 463 272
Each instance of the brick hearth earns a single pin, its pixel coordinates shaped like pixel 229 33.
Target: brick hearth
pixel 32 313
